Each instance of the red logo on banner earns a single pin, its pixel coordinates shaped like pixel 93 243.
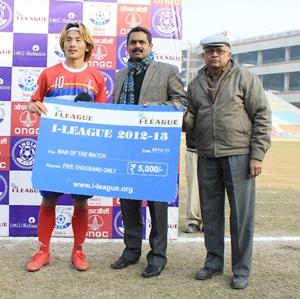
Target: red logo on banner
pixel 166 2
pixel 23 122
pixel 4 153
pixel 130 16
pixel 99 222
pixel 103 56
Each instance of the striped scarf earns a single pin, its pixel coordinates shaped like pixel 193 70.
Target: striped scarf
pixel 134 68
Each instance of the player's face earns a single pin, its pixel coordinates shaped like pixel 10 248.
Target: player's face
pixel 138 46
pixel 74 46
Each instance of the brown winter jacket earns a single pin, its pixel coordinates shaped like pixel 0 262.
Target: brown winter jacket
pixel 238 122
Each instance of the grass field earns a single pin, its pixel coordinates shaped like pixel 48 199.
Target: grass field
pixel 276 264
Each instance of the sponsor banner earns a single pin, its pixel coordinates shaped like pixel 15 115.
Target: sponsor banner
pixel 166 50
pixel 130 16
pixel 4 153
pixel 30 50
pixel 166 21
pixel 173 223
pixel 6 49
pixel 4 220
pixel 99 222
pixel 27 19
pixel 109 77
pixel 23 220
pixel 122 55
pixel 143 145
pixel 118 227
pixel 31 43
pixel 63 12
pixel 63 226
pixel 7 15
pixel 140 2
pixel 23 123
pixel 5 119
pixel 103 56
pixel 100 18
pixel 21 191
pixel 54 52
pixel 4 187
pixel 100 201
pixel 22 153
pixel 5 83
pixel 24 81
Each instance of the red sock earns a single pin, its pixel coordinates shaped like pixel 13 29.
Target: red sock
pixel 80 227
pixel 46 225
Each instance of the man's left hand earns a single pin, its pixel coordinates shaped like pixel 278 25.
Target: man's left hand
pixel 255 167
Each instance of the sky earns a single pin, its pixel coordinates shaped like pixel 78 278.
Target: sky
pixel 242 18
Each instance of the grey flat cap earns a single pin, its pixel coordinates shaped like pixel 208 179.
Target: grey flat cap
pixel 215 41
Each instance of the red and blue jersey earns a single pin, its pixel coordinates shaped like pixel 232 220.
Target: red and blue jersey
pixel 63 82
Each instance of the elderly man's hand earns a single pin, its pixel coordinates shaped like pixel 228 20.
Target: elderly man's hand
pixel 255 167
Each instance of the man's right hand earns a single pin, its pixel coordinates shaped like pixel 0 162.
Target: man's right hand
pixel 36 107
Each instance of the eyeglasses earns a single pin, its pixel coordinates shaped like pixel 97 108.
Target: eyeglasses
pixel 216 50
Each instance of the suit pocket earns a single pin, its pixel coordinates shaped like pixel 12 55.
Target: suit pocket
pixel 155 93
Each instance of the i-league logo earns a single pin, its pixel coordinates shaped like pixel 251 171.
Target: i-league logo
pixel 3 187
pixel 27 82
pixel 23 153
pixel 101 17
pixel 5 14
pixel 166 20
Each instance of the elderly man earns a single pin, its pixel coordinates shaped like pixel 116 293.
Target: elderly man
pixel 232 129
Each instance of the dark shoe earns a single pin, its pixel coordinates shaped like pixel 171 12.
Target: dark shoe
pixel 207 273
pixel 239 282
pixel 122 263
pixel 152 270
pixel 191 228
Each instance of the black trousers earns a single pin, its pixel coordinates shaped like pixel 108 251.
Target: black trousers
pixel 133 230
pixel 230 174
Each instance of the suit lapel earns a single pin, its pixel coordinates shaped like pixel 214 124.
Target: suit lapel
pixel 148 77
pixel 119 84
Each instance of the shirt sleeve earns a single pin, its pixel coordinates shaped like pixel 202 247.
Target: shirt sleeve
pixel 41 88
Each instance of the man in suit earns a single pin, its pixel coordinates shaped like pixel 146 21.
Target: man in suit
pixel 144 82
